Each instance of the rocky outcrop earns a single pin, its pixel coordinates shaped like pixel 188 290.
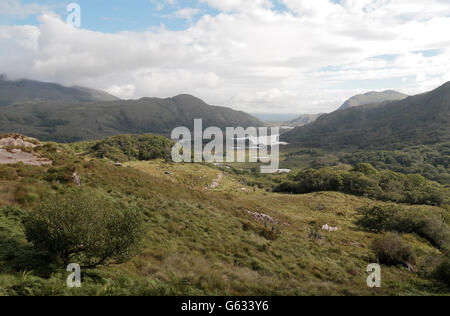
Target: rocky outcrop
pixel 15 148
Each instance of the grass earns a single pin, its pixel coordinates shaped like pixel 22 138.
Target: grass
pixel 201 241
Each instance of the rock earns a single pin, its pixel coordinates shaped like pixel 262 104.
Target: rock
pixel 329 228
pixel 216 182
pixel 76 179
pixel 17 155
pixel 410 267
pixel 263 218
pixel 214 185
pixel 16 141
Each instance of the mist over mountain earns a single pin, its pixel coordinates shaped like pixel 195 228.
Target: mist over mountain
pixel 373 97
pixel 36 91
pixel 65 115
pixel 420 119
pixel 305 119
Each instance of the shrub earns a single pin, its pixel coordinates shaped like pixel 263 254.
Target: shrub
pixel 376 218
pixel 442 272
pixel 360 184
pixel 124 148
pixel 365 180
pixel 365 168
pixel 60 174
pixel 391 249
pixel 7 173
pixel 429 225
pixel 80 226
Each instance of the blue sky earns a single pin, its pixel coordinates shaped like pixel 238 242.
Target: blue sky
pixel 284 56
pixel 112 16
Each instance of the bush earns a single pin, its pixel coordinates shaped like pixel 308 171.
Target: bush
pixel 365 180
pixel 391 249
pixel 80 227
pixel 442 272
pixel 124 148
pixel 376 218
pixel 7 173
pixel 429 225
pixel 365 168
pixel 60 174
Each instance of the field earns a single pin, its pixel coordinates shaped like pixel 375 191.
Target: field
pixel 200 238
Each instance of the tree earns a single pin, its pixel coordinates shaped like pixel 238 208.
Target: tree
pixel 80 227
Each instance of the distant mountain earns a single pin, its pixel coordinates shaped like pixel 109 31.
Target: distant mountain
pixel 373 97
pixel 421 119
pixel 274 117
pixel 74 121
pixel 35 91
pixel 305 119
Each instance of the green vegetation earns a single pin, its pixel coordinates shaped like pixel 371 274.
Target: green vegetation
pixel 124 148
pixel 28 90
pixel 432 162
pixel 198 240
pixel 372 98
pixel 442 272
pixel 391 249
pixel 80 227
pixel 430 225
pixel 51 112
pixel 365 180
pixel 418 120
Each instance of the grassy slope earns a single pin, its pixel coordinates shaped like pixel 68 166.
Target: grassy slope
pixel 202 241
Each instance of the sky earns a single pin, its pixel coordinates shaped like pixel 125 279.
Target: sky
pixel 259 56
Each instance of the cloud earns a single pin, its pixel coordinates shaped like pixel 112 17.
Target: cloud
pixel 17 9
pixel 307 58
pixel 186 13
pixel 238 5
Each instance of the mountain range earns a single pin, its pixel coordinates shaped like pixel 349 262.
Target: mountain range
pixel 420 119
pixel 373 97
pixel 304 119
pixel 36 91
pixel 56 113
pixel 357 100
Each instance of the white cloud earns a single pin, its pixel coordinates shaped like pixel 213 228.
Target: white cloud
pixel 250 57
pixel 186 13
pixel 238 5
pixel 16 8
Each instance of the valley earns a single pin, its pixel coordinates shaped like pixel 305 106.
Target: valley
pixel 224 228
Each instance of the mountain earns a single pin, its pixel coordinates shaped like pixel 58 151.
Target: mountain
pixel 74 121
pixel 373 97
pixel 421 119
pixel 305 119
pixel 274 117
pixel 36 91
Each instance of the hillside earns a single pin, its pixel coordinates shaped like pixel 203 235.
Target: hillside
pixel 421 119
pixel 201 239
pixel 372 98
pixel 69 121
pixel 305 119
pixel 36 91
